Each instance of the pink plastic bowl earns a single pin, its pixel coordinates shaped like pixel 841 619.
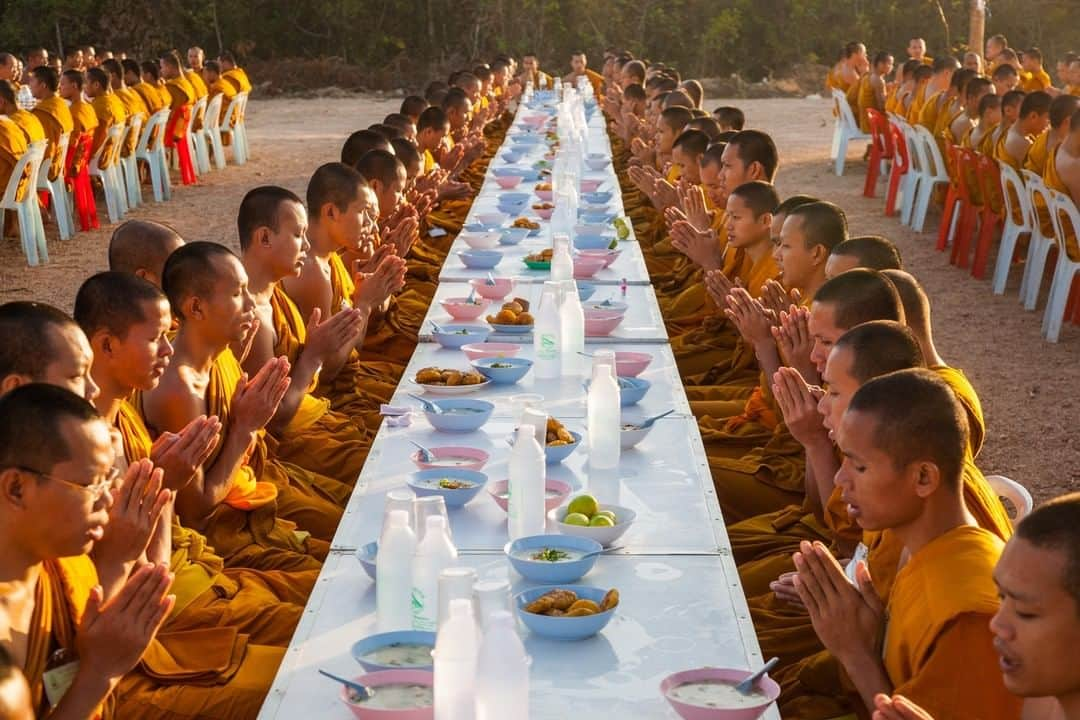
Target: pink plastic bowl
pixel 461 310
pixel 631 364
pixel 601 322
pixel 692 712
pixel 389 677
pixel 478 457
pixel 498 291
pixel 544 213
pixel 608 256
pixel 508 182
pixel 475 351
pixel 591 185
pixel 545 195
pixel 560 488
pixel 586 267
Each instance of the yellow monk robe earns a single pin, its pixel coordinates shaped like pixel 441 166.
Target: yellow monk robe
pixel 109 111
pixel 681 295
pixel 150 95
pixel 931 109
pixel 1072 90
pixel 55 119
pixel 1038 154
pixel 893 102
pixel 29 124
pixel 197 84
pixel 227 90
pixel 597 82
pixel 987 142
pixel 1053 181
pixel 238 78
pixel 316 438
pixel 1036 81
pixel 865 98
pixel 134 107
pixel 541 80
pixel 1002 154
pixel 83 116
pixel 12 147
pixel 918 102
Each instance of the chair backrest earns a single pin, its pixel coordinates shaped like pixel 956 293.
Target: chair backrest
pixel 901 158
pixel 986 169
pixel 26 167
pixel 197 111
pixel 1016 198
pixel 233 112
pixel 112 139
pixel 134 129
pixel 61 153
pixel 243 105
pixel 212 114
pixel 153 133
pixel 935 166
pixel 913 143
pixel 1017 495
pixel 967 181
pixel 1066 223
pixel 1039 196
pixel 879 131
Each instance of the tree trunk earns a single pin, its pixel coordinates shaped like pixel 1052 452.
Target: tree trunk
pixel 977 26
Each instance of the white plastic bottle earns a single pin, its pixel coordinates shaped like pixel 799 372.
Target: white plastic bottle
pixel 433 555
pixel 456 650
pixel 572 318
pixel 527 480
pixel 397 545
pixel 604 417
pixel 502 672
pixel 547 336
pixel 562 265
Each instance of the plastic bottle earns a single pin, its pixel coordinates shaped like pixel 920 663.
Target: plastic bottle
pixel 502 672
pixel 433 555
pixel 456 650
pixel 397 545
pixel 526 486
pixel 572 320
pixel 547 335
pixel 602 411
pixel 562 265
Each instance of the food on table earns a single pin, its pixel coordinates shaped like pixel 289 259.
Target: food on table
pixel 557 434
pixel 584 510
pixel 500 365
pixel 544 206
pixel 454 484
pixel 398 696
pixel 451 461
pixel 552 555
pixel 716 694
pixel 622 230
pixel 544 255
pixel 515 312
pixel 525 223
pixel 440 376
pixel 404 655
pixel 544 187
pixel 566 603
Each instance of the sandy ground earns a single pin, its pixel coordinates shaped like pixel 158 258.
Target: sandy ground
pixel 1030 389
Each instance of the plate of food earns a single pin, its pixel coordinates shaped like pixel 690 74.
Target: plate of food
pixel 449 382
pixel 513 318
pixel 539 260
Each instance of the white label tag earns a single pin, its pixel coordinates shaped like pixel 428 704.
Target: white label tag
pixel 58 680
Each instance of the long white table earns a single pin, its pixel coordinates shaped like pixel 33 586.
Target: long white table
pixel 681 602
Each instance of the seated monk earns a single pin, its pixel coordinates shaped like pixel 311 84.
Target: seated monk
pixel 27 121
pixel 216 85
pixel 1037 77
pixel 872 88
pixel 1035 576
pixel 936 94
pixel 904 438
pixel 412 106
pixel 151 74
pixel 531 72
pixel 976 89
pixel 914 101
pixel 980 137
pixel 731 119
pixel 134 79
pixel 1005 79
pixel 579 68
pixel 1034 118
pixel 56 461
pixel 82 113
pixel 1063 167
pixel 916 50
pixel 236 497
pixel 233 73
pixel 343 215
pixel 141 247
pixel 360 143
pixel 1061 110
pixel 181 97
pixel 12 147
pixel 107 106
pixel 54 116
pixel 134 107
pixel 272 225
pixel 43 345
pixel 1010 111
pixel 872 252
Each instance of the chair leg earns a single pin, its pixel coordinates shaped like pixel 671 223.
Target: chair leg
pixel 990 221
pixel 870 186
pixel 1059 294
pixel 26 235
pixel 1038 253
pixel 908 192
pixel 841 154
pixel 948 218
pixel 1009 236
pixel 922 205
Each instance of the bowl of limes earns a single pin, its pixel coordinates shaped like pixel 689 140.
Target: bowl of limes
pixel 584 516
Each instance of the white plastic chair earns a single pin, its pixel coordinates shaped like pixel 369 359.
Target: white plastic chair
pixel 58 192
pixel 1017 495
pixel 242 125
pixel 151 150
pixel 130 164
pixel 193 151
pixel 106 167
pixel 848 130
pixel 1039 245
pixel 934 174
pixel 31 228
pixel 231 124
pixel 1012 188
pixel 915 175
pixel 211 130
pixel 197 138
pixel 1066 222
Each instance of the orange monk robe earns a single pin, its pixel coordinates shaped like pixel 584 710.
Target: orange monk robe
pixel 55 119
pixel 1002 154
pixel 918 102
pixel 1053 180
pixel 197 84
pixel 317 438
pixel 151 97
pixel 597 82
pixel 681 294
pixel 227 90
pixel 865 98
pixel 29 124
pixel 238 78
pixel 931 110
pixel 109 111
pixel 1036 81
pixel 12 147
pixel 181 96
pixel 83 116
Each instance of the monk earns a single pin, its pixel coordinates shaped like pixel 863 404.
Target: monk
pixel 981 135
pixel 1063 167
pixel 1035 579
pixel 56 460
pixel 579 68
pixel 872 88
pixel 141 247
pixel 28 122
pixel 181 91
pixel 1034 118
pixel 196 58
pixel 215 85
pixel 531 72
pixel 233 73
pixel 925 110
pixel 903 438
pixel 151 74
pixel 866 251
pixel 973 61
pixel 995 46
pixel 43 345
pixel 964 123
pixel 134 107
pixel 916 50
pixel 108 108
pixel 134 79
pixel 272 225
pixel 52 113
pixel 82 114
pixel 193 74
pixel 1037 77
pixel 236 497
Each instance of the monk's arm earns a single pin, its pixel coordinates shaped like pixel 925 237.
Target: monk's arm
pixel 821 467
pixel 86 693
pixel 302 373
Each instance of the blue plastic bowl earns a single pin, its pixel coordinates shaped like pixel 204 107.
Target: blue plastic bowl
pixel 461 415
pixel 511 208
pixel 599 197
pixel 631 390
pixel 563 628
pixel 425 483
pixel 511 158
pixel 504 172
pixel 367 555
pixel 555 454
pixel 593 242
pixel 551 573
pixel 513 236
pixel 454 340
pixel 596 218
pixel 381 640
pixel 480 259
pixel 519 367
pixel 597 164
pixel 512 329
pixel 514 197
pixel 585 290
pixel 526 139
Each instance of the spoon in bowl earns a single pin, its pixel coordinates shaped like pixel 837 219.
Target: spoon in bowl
pixel 648 423
pixel 357 692
pixel 747 686
pixel 425 454
pixel 428 405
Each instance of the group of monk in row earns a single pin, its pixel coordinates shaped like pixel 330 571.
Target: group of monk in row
pixel 879 565
pixel 1006 108
pixel 176 454
pixel 90 94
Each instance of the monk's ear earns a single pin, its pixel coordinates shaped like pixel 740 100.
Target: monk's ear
pixel 103 343
pixel 756 170
pixel 766 219
pixel 927 477
pixel 13 380
pixel 193 308
pixel 13 487
pixel 262 237
pixel 819 253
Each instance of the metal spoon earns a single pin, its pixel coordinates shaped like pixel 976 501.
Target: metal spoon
pixel 357 692
pixel 747 686
pixel 648 423
pixel 490 279
pixel 472 296
pixel 425 454
pixel 435 327
pixel 605 551
pixel 428 405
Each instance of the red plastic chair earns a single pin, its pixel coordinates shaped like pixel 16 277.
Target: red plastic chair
pixel 900 165
pixel 971 205
pixel 176 139
pixel 78 179
pixel 992 218
pixel 953 200
pixel 881 149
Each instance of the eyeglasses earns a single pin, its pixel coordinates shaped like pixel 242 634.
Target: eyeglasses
pixel 95 489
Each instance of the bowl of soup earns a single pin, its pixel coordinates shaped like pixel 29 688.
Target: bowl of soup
pixel 461 308
pixel 398 650
pixel 552 559
pixel 475 351
pixel 455 336
pixel 710 694
pixel 555 491
pixel 496 290
pixel 460 415
pixel 399 695
pixel 456 487
pixel 480 259
pixel 454 457
pixel 503 371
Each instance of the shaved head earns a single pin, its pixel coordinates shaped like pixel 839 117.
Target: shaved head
pixel 140 247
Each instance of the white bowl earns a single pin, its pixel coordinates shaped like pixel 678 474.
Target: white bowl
pixel 481 241
pixel 606 536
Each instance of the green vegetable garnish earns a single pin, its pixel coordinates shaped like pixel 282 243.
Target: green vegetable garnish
pixel 550 555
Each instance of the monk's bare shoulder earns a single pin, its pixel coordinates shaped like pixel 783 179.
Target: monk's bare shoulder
pixel 179 398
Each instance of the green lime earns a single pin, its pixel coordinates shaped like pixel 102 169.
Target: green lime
pixel 601 521
pixel 576 519
pixel 608 514
pixel 584 504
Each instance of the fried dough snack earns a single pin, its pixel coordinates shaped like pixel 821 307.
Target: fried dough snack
pixel 526 223
pixel 557 434
pixel 514 312
pixel 565 603
pixel 439 376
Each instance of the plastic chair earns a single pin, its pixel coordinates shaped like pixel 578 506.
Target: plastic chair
pixel 849 130
pixel 954 199
pixel 971 206
pixel 881 150
pixel 31 228
pixel 934 174
pixel 1040 244
pixel 916 175
pixel 151 150
pixel 241 123
pixel 1067 226
pixel 189 136
pixel 211 130
pixel 198 137
pixel 1017 217
pixel 130 164
pixel 57 192
pixel 993 212
pixel 105 165
pixel 1017 495
pixel 898 172
pixel 230 125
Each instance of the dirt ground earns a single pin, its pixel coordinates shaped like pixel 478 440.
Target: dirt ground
pixel 1030 389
